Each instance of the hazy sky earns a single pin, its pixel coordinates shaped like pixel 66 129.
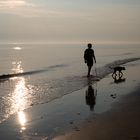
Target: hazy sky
pixel 69 20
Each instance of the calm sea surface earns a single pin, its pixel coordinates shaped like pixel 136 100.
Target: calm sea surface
pixel 51 71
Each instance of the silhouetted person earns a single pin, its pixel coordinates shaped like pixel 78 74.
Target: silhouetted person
pixel 88 57
pixel 90 97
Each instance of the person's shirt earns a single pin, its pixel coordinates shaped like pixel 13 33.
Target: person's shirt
pixel 88 54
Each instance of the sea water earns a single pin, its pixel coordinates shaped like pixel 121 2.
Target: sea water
pixel 50 71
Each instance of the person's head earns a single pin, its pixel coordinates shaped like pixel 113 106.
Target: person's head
pixel 89 45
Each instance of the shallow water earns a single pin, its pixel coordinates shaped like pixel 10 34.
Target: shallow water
pixel 43 121
pixel 50 72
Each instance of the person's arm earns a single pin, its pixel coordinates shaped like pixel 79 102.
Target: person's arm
pixel 85 57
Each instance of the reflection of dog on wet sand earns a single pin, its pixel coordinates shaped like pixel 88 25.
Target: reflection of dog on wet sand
pixel 118 79
pixel 117 74
pixel 118 69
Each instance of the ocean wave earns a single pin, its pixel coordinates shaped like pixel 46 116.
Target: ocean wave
pixel 50 68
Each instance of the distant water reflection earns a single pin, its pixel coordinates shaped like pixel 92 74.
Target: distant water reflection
pixel 17 66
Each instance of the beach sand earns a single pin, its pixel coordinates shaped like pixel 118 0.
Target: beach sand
pixel 121 122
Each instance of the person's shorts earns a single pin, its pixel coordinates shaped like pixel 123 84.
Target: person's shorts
pixel 90 62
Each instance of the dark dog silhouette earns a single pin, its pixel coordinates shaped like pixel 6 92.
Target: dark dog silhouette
pixel 119 70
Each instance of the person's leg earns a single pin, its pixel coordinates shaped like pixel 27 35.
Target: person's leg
pixel 89 69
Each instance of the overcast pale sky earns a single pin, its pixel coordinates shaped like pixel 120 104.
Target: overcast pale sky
pixel 70 21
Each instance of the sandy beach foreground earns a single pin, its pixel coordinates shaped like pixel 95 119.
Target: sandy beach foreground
pixel 122 122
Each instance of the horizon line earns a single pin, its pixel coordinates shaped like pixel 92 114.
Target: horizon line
pixel 69 42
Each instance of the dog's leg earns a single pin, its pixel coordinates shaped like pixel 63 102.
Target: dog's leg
pixel 120 74
pixel 114 74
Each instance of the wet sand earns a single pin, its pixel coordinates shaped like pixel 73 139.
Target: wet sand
pixel 122 122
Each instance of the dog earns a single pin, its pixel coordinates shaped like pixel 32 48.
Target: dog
pixel 119 70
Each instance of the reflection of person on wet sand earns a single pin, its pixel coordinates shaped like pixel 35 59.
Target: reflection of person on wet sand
pixel 90 97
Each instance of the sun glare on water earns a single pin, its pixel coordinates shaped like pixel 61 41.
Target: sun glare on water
pixel 17 48
pixel 22 120
pixel 18 99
